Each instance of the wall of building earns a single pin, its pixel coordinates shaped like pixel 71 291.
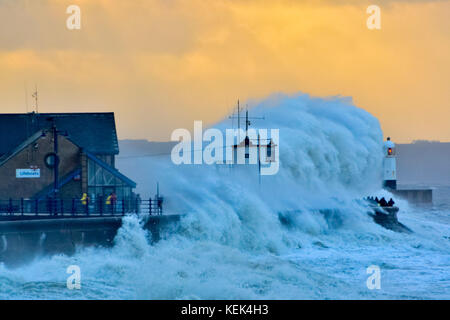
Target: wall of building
pixel 34 155
pixel 23 241
pixel 71 190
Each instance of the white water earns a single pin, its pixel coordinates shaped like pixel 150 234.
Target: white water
pixel 231 244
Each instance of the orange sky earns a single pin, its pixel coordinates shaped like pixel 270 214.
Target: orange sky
pixel 161 64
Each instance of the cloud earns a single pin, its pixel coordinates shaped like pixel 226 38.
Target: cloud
pixel 160 64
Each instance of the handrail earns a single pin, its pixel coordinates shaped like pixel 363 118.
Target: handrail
pixel 79 207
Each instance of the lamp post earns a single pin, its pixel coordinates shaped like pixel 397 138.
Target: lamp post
pixel 55 161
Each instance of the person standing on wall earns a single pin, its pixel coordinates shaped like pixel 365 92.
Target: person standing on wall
pixel 111 201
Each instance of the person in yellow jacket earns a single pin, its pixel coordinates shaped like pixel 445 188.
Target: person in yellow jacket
pixel 84 199
pixel 111 202
pixel 108 200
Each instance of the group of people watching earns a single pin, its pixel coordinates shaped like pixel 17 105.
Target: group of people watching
pixel 110 203
pixel 110 200
pixel 381 202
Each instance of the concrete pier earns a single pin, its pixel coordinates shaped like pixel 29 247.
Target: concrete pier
pixel 415 196
pixel 384 216
pixel 22 241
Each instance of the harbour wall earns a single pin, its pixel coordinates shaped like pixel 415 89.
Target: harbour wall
pixel 22 241
pixel 416 196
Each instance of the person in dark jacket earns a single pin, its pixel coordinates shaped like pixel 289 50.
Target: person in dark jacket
pixel 383 202
pixel 391 203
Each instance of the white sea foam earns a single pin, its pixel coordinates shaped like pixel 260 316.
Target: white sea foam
pixel 231 244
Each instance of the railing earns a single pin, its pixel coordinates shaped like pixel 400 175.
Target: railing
pixel 79 207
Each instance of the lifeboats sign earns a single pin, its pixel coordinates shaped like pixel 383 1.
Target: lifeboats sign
pixel 28 173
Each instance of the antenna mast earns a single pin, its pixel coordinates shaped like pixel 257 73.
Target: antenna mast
pixel 238 118
pixel 26 96
pixel 35 96
pixel 247 122
pixel 247 119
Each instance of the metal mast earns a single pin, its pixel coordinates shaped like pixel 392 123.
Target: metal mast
pixel 35 96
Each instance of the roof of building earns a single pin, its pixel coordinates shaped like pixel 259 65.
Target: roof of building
pixel 7 156
pixel 94 132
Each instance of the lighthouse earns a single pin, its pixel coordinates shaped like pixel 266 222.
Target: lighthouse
pixel 389 165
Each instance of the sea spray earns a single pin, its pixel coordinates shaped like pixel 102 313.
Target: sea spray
pixel 330 154
pixel 231 245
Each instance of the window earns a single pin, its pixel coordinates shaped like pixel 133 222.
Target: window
pixel 98 176
pixel 107 158
pixel 51 159
pixel 103 182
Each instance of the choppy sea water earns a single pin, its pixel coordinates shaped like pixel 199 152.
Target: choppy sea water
pixel 231 245
pixel 323 266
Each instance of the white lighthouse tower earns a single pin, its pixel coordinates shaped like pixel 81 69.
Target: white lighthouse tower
pixel 389 165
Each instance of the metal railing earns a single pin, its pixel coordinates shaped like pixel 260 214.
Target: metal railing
pixel 79 207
